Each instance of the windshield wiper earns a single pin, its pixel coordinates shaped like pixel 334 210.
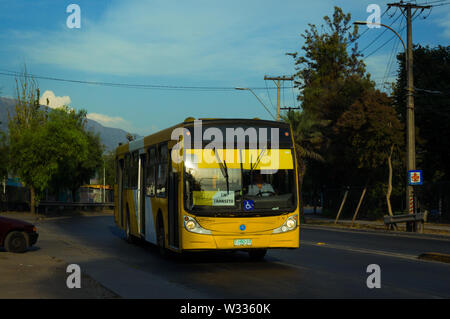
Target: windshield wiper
pixel 258 159
pixel 223 169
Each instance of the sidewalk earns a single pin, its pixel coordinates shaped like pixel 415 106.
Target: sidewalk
pixel 429 227
pixel 37 275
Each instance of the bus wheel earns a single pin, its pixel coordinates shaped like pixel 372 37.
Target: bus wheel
pixel 161 238
pixel 257 254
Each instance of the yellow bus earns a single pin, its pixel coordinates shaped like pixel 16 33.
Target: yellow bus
pixel 210 184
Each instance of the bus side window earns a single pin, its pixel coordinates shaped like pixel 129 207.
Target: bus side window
pixel 134 167
pixel 163 156
pixel 150 176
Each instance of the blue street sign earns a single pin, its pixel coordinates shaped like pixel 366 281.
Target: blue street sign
pixel 415 177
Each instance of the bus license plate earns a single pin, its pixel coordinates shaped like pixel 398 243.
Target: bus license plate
pixel 242 242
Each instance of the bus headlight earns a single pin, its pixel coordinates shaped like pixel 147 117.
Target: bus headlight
pixel 192 226
pixel 289 224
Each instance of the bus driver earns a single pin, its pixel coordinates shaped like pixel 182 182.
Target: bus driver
pixel 259 187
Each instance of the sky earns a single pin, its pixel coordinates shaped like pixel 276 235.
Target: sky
pixel 197 43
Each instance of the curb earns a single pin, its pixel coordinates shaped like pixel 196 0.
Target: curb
pixel 445 258
pixel 445 237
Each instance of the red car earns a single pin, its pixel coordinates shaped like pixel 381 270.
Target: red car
pixel 16 235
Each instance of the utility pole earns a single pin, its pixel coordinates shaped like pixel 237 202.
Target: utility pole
pixel 410 128
pixel 278 84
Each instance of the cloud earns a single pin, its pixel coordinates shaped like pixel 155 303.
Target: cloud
pixel 377 65
pixel 445 24
pixel 163 38
pixel 49 99
pixel 108 121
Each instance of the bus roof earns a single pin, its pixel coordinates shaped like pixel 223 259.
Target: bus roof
pixel 165 135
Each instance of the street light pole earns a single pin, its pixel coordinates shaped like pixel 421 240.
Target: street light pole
pixel 248 89
pixel 410 128
pixel 383 25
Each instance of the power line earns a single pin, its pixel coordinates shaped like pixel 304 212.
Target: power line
pixel 268 95
pixel 359 36
pixel 278 80
pixel 440 5
pixel 430 2
pixel 129 85
pixel 391 59
pixel 293 96
pixel 389 40
pixel 380 35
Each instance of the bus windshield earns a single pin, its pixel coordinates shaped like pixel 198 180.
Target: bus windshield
pixel 241 191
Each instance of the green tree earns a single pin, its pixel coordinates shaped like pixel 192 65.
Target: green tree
pixel 79 150
pixel 334 89
pixel 109 165
pixel 307 139
pixel 28 159
pixel 431 70
pixel 4 160
pixel 373 130
pixel 50 148
pixel 330 79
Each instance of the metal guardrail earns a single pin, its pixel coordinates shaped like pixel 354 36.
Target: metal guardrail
pixel 414 221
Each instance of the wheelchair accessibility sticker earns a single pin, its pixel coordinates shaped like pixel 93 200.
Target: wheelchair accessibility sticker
pixel 249 205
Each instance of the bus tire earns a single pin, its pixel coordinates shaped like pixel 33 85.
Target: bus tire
pixel 257 254
pixel 161 237
pixel 16 242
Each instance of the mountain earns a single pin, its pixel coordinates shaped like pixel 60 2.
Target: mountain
pixel 109 136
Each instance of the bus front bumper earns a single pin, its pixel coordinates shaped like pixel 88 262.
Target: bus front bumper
pixel 193 241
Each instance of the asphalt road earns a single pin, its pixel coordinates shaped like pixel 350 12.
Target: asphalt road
pixel 329 264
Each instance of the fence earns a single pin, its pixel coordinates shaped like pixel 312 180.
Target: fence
pixel 373 206
pixel 17 198
pixel 14 198
pixel 433 197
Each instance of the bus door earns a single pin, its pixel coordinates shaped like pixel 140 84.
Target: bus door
pixel 173 207
pixel 142 175
pixel 120 191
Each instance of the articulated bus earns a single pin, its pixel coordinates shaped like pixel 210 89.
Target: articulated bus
pixel 182 190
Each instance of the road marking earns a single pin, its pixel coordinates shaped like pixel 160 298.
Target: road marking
pixel 361 250
pixel 445 258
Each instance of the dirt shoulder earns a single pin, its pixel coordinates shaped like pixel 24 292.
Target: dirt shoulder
pixel 35 275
